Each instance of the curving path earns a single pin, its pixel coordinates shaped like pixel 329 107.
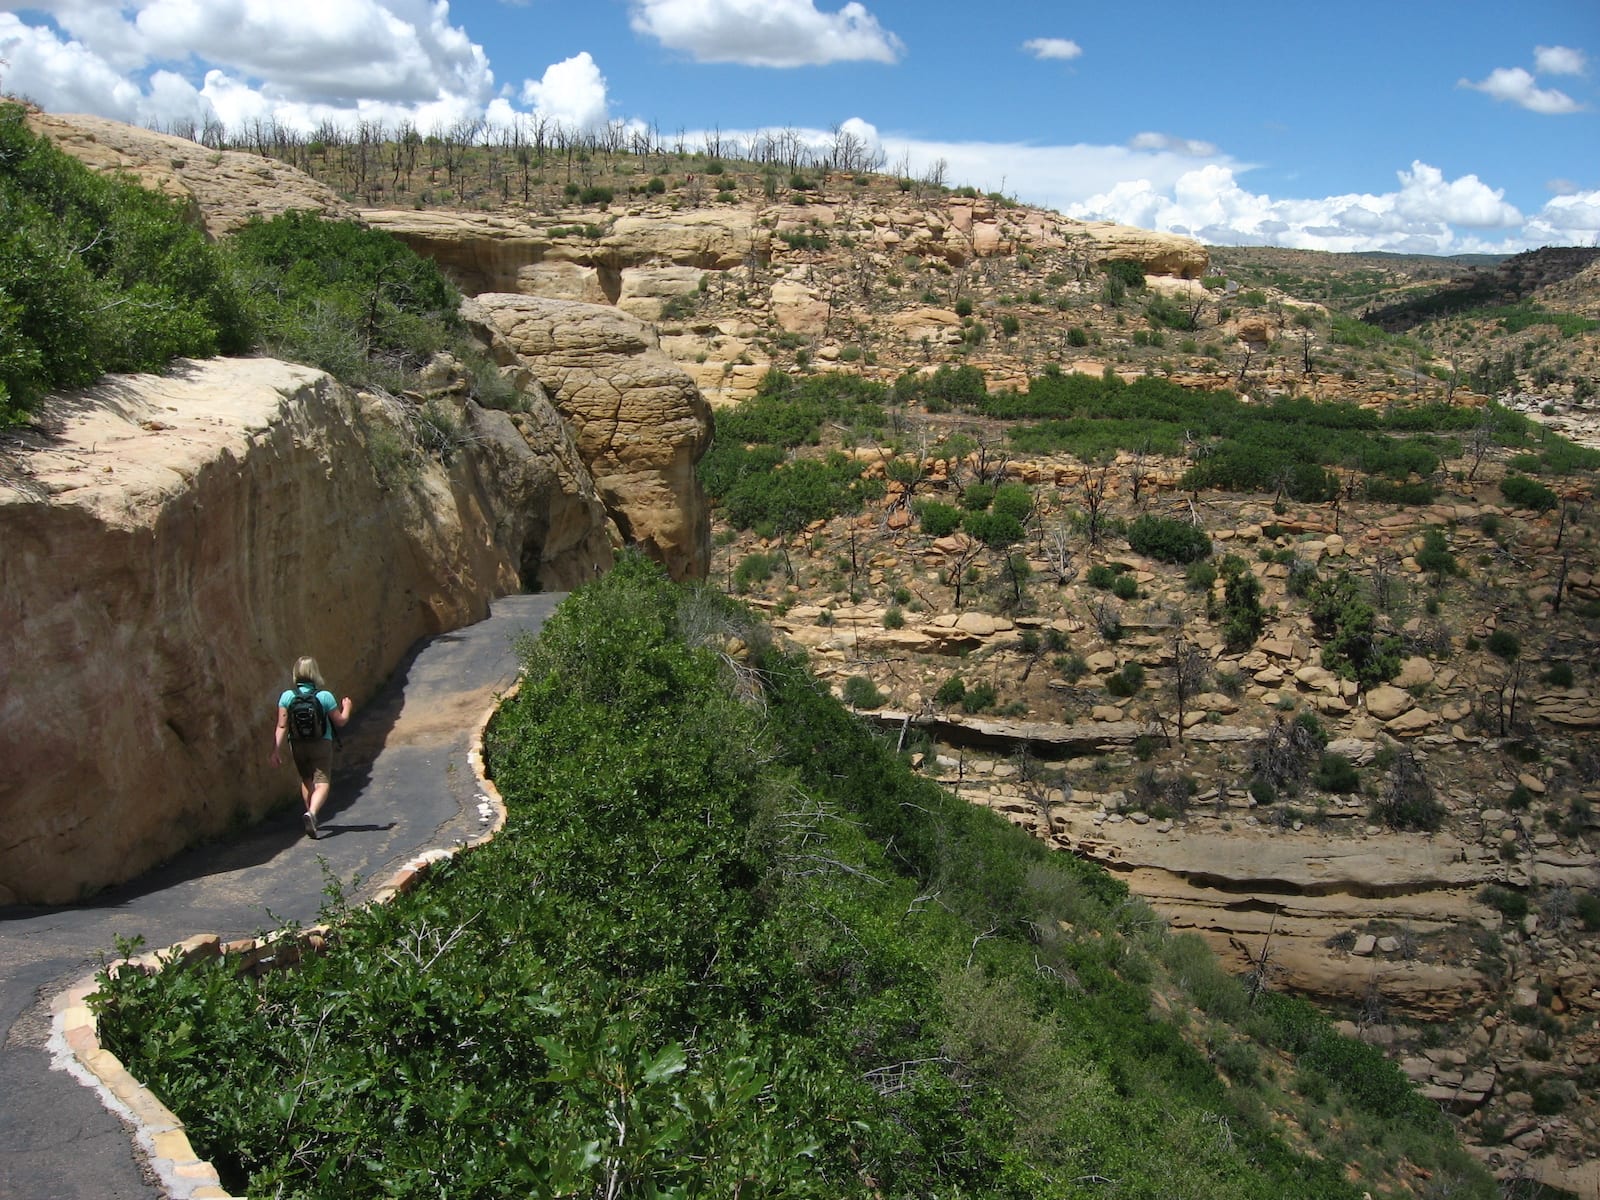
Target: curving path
pixel 402 784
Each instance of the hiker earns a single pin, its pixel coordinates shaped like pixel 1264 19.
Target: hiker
pixel 307 716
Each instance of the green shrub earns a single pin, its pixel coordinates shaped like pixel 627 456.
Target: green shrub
pixel 894 618
pixel 1337 774
pixel 1101 576
pixel 354 301
pixel 1522 492
pixel 861 692
pixel 752 569
pixel 993 529
pixel 1077 336
pixel 980 697
pixel 1014 500
pixel 1200 576
pixel 98 275
pixel 1559 675
pixel 1127 681
pixel 1124 587
pixel 1130 274
pixel 1502 643
pixel 951 691
pixel 1168 540
pixel 1435 557
pixel 937 519
pixel 1512 905
pixel 1243 616
pixel 977 496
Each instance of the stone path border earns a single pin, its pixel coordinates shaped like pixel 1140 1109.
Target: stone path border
pixel 74 1043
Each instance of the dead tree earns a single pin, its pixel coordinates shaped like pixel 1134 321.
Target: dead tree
pixel 1190 670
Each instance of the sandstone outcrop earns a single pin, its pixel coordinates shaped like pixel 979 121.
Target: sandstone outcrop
pixel 639 421
pixel 172 543
pixel 222 189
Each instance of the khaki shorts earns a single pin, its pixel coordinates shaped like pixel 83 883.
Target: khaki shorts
pixel 314 761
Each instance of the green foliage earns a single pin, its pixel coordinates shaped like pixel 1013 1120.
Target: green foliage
pixel 1510 904
pixel 793 494
pixel 995 530
pixel 1352 645
pixel 787 412
pixel 1435 557
pixel 752 569
pixel 1168 540
pixel 1502 643
pixel 1522 492
pixel 977 496
pixel 1129 273
pixel 962 387
pixel 1013 500
pixel 1101 576
pixel 1243 616
pixel 1337 774
pixel 1200 576
pixel 1126 681
pixel 936 518
pixel 1125 587
pixel 861 692
pixel 700 961
pixel 334 294
pixel 951 691
pixel 97 275
pixel 980 697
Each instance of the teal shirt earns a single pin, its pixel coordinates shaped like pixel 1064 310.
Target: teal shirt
pixel 324 698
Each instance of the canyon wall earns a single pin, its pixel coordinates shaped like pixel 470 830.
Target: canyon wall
pixel 171 544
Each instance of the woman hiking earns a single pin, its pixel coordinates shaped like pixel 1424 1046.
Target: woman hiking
pixel 307 716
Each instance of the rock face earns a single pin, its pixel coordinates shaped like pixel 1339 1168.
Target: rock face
pixel 159 543
pixel 639 421
pixel 221 188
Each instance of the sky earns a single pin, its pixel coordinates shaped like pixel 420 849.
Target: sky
pixel 1423 126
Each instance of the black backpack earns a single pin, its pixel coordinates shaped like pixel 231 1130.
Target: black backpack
pixel 307 718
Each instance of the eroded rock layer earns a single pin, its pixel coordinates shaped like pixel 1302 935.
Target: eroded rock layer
pixel 639 421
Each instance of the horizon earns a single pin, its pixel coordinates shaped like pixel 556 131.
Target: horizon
pixel 1250 128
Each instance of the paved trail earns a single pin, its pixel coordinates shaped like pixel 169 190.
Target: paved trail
pixel 402 784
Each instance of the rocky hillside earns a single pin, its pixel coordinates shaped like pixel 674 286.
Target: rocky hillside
pixel 1467 946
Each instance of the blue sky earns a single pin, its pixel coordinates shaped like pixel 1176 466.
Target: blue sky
pixel 1419 125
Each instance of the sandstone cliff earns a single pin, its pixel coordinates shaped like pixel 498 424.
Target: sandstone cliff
pixel 171 544
pixel 640 422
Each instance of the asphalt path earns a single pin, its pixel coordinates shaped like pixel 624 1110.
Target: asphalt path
pixel 402 783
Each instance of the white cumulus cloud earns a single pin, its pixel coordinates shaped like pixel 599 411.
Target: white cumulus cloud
pixel 1559 60
pixel 1425 214
pixel 1519 87
pixel 297 62
pixel 766 33
pixel 572 93
pixel 1058 48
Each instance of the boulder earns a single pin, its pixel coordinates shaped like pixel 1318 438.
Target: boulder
pixel 1412 721
pixel 1414 672
pixel 639 422
pixel 1385 702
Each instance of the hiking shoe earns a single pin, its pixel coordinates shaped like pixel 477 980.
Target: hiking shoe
pixel 309 820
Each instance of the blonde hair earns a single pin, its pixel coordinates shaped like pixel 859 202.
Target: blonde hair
pixel 307 671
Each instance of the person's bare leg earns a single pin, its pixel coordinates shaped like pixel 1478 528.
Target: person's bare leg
pixel 318 797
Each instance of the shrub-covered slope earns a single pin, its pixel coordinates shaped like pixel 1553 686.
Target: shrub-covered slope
pixel 729 945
